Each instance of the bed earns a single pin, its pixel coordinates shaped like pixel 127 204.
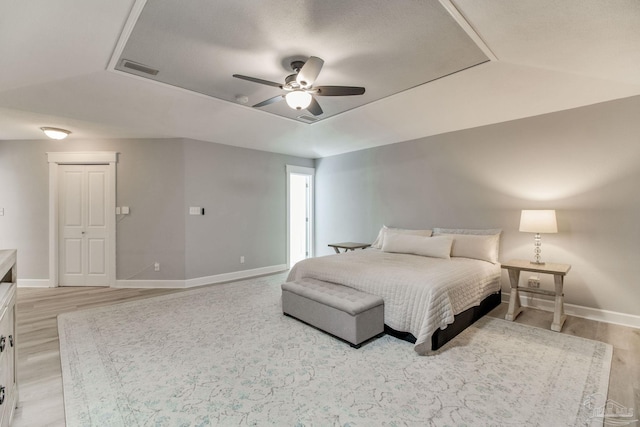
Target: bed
pixel 427 299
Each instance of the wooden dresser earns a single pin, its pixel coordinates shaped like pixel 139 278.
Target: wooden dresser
pixel 8 384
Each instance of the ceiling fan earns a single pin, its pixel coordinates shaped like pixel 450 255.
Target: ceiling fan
pixel 300 89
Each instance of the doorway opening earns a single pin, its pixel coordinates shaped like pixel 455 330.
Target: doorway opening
pixel 299 213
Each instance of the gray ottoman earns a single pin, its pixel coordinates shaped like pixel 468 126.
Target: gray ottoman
pixel 344 312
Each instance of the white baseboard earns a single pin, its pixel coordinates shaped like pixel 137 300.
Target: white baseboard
pixel 630 320
pixel 150 284
pixel 236 275
pixel 200 281
pixel 34 283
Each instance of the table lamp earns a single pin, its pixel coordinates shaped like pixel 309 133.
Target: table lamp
pixel 538 221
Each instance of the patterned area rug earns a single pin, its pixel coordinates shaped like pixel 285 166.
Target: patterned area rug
pixel 225 355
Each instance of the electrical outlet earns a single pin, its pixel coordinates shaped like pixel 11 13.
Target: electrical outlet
pixel 156 266
pixel 534 282
pixel 242 259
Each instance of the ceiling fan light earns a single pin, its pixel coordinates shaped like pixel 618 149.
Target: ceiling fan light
pixel 55 133
pixel 298 99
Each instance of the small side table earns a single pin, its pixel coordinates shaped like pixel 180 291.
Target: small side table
pixel 515 266
pixel 348 246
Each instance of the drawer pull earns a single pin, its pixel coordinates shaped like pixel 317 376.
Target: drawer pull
pixel 1 395
pixel 11 340
pixel 3 341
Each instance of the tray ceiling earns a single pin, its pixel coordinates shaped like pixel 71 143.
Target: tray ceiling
pixel 198 46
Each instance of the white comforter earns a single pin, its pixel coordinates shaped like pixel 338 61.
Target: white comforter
pixel 421 294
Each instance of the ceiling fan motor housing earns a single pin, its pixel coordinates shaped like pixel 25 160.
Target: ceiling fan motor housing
pixel 296 66
pixel 290 82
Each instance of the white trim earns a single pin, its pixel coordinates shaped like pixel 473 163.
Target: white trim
pixel 136 10
pixel 200 281
pixel 83 157
pixel 302 170
pixel 606 316
pixel 311 172
pixel 150 284
pixel 34 283
pixel 468 28
pixel 53 225
pixel 236 275
pixel 80 158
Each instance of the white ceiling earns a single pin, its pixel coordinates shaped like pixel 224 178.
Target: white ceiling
pixel 548 55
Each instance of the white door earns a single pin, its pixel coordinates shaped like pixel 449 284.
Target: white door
pixel 299 213
pixel 83 203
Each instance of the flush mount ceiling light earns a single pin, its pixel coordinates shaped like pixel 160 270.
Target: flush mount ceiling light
pixel 298 99
pixel 55 133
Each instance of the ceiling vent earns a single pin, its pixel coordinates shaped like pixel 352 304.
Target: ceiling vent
pixel 308 119
pixel 138 67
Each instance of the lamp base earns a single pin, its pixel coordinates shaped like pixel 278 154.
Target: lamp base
pixel 537 250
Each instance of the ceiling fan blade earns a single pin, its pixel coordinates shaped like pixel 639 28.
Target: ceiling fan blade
pixel 269 101
pixel 314 107
pixel 339 90
pixel 309 71
pixel 255 80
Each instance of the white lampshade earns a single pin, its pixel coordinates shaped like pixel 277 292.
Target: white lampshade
pixel 55 133
pixel 538 221
pixel 298 99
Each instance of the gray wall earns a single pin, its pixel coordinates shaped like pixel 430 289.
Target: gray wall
pixel 150 181
pixel 585 163
pixel 24 196
pixel 242 190
pixel 243 193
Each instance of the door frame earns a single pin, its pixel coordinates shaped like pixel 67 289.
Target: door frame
pixel 55 159
pixel 301 170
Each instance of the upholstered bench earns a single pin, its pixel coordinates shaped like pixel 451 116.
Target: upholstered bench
pixel 344 312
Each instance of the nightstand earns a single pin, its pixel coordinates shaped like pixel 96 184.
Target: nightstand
pixel 515 266
pixel 348 246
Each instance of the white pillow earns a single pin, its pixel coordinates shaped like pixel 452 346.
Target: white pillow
pixel 379 240
pixel 435 247
pixel 473 243
pixel 475 246
pixel 474 231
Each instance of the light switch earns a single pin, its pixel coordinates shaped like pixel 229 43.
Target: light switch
pixel 125 210
pixel 117 210
pixel 195 210
pixel 1 211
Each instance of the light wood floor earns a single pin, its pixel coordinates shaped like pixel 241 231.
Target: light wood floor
pixel 39 371
pixel 40 376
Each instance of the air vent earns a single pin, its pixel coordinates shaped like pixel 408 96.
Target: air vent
pixel 308 119
pixel 138 67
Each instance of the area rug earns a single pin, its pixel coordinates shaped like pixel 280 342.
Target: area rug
pixel 225 355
